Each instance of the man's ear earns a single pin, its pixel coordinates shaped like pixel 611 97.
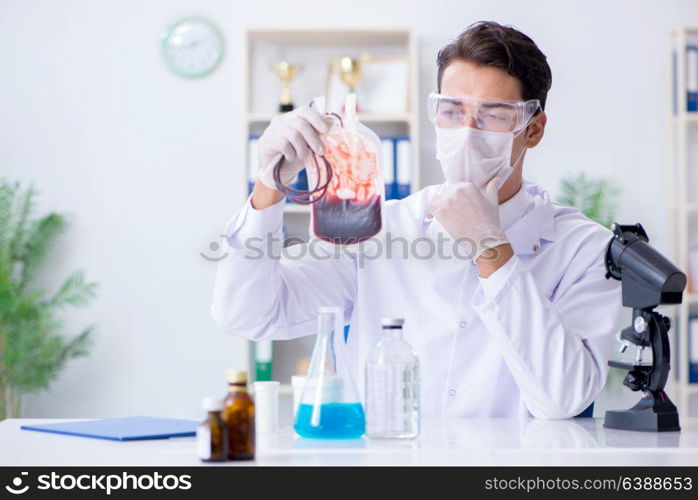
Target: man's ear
pixel 535 130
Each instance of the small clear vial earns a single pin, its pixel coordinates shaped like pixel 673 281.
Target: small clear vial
pixel 392 386
pixel 211 435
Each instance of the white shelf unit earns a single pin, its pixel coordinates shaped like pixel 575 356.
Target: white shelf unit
pixel 261 93
pixel 683 212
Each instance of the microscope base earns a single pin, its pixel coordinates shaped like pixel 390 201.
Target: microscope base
pixel 647 415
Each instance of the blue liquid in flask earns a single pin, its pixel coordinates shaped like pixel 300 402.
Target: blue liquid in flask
pixel 337 421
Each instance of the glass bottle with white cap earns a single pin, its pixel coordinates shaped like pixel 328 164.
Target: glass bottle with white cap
pixel 329 407
pixel 212 435
pixel 392 386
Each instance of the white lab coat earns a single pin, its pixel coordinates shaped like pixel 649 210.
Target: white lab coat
pixel 533 339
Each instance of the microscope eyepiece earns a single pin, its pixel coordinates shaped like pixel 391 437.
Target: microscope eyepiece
pixel 649 278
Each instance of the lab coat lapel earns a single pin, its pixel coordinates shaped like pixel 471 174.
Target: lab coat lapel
pixel 526 234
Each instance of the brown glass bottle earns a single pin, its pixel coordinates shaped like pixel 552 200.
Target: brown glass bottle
pixel 238 416
pixel 212 434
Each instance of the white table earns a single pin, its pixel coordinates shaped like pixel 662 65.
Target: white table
pixel 490 441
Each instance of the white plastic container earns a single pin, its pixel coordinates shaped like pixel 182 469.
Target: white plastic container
pixel 266 403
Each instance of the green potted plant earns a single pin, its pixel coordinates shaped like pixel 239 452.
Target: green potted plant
pixel 595 198
pixel 32 349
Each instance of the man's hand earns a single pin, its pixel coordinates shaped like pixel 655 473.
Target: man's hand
pixel 292 136
pixel 472 219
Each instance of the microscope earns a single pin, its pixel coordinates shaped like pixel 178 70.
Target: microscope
pixel 648 280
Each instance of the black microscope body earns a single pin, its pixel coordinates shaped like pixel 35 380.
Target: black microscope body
pixel 648 280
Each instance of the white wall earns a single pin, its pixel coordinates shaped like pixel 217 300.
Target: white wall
pixel 147 162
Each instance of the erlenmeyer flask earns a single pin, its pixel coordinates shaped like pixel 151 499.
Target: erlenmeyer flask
pixel 329 406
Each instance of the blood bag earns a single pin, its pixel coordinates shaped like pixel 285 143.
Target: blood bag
pixel 346 189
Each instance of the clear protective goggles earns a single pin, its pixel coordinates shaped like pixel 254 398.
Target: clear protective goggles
pixel 492 115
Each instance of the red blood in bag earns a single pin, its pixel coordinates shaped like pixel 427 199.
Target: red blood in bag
pixel 345 222
pixel 349 211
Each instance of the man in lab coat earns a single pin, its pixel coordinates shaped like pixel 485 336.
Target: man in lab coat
pixel 513 318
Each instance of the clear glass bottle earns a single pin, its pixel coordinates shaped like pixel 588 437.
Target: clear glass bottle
pixel 392 386
pixel 329 407
pixel 238 415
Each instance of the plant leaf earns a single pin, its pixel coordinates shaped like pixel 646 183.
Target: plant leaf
pixel 74 291
pixel 595 198
pixel 41 237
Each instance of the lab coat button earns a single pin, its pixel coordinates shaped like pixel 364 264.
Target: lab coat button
pixel 536 248
pixel 452 392
pixel 463 324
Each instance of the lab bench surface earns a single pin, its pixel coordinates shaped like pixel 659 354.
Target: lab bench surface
pixel 482 441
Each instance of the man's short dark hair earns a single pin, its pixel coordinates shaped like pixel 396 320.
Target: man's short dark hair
pixel 487 43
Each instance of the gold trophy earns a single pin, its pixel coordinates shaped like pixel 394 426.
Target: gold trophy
pixel 286 72
pixel 349 70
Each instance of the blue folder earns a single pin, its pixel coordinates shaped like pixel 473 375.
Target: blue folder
pixel 122 429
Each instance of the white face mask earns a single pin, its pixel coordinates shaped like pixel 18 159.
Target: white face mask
pixel 470 155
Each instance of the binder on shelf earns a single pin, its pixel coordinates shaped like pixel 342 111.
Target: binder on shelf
pixel 692 78
pixel 693 350
pixel 294 184
pixel 388 166
pixel 674 84
pixel 252 161
pixel 404 167
pixel 301 182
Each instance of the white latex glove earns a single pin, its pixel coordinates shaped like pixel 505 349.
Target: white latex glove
pixel 291 135
pixel 470 216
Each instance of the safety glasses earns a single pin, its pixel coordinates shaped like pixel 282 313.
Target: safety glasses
pixel 492 115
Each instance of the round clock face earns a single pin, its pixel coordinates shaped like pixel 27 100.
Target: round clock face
pixel 192 47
